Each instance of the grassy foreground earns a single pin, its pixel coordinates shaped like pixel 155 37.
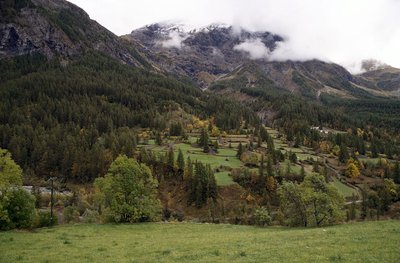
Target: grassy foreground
pixel 359 242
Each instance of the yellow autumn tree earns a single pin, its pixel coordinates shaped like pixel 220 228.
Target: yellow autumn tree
pixel 352 170
pixel 325 146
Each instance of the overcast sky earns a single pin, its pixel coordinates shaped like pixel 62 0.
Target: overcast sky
pixel 341 31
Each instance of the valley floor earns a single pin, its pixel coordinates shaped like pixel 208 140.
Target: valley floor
pixel 189 242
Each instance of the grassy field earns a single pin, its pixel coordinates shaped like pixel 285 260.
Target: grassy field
pixel 345 190
pixel 180 242
pixel 223 178
pixel 226 157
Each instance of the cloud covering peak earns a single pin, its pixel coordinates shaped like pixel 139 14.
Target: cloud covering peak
pixel 340 31
pixel 254 48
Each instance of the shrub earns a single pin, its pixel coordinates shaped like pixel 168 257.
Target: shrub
pixel 44 219
pixel 17 209
pixel 178 215
pixel 262 217
pixel 91 216
pixel 71 214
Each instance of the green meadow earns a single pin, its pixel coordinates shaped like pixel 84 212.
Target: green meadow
pixel 190 242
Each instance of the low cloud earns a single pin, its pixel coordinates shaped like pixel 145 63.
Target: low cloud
pixel 174 40
pixel 254 48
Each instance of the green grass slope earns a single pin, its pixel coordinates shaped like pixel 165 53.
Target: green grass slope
pixel 360 242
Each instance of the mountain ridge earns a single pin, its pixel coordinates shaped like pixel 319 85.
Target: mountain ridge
pixel 209 54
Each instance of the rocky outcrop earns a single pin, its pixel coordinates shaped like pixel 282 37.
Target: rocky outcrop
pixel 57 27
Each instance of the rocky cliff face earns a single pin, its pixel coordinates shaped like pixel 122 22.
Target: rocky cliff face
pixel 57 27
pixel 202 54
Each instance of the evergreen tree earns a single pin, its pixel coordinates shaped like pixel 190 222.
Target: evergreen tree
pixel 302 171
pixel 270 170
pixel 343 153
pixel 263 133
pixel 171 158
pixel 240 150
pixel 204 141
pixel 271 149
pixel 202 185
pixel 180 160
pixel 293 157
pixel 212 184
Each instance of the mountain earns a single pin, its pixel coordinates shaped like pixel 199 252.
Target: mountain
pixel 58 28
pixel 202 54
pixel 384 80
pixel 214 54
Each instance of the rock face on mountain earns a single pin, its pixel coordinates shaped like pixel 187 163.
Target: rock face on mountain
pixel 223 54
pixel 203 54
pixel 385 79
pixel 57 27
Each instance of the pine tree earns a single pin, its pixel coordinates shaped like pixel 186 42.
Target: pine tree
pixel 343 153
pixel 240 150
pixel 180 160
pixel 212 184
pixel 263 133
pixel 202 185
pixel 171 158
pixel 302 171
pixel 271 149
pixel 204 141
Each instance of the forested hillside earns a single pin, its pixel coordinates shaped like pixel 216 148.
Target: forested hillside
pixel 72 121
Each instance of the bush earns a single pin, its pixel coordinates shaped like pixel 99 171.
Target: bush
pixel 71 214
pixel 44 219
pixel 17 209
pixel 128 193
pixel 91 216
pixel 178 215
pixel 262 217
